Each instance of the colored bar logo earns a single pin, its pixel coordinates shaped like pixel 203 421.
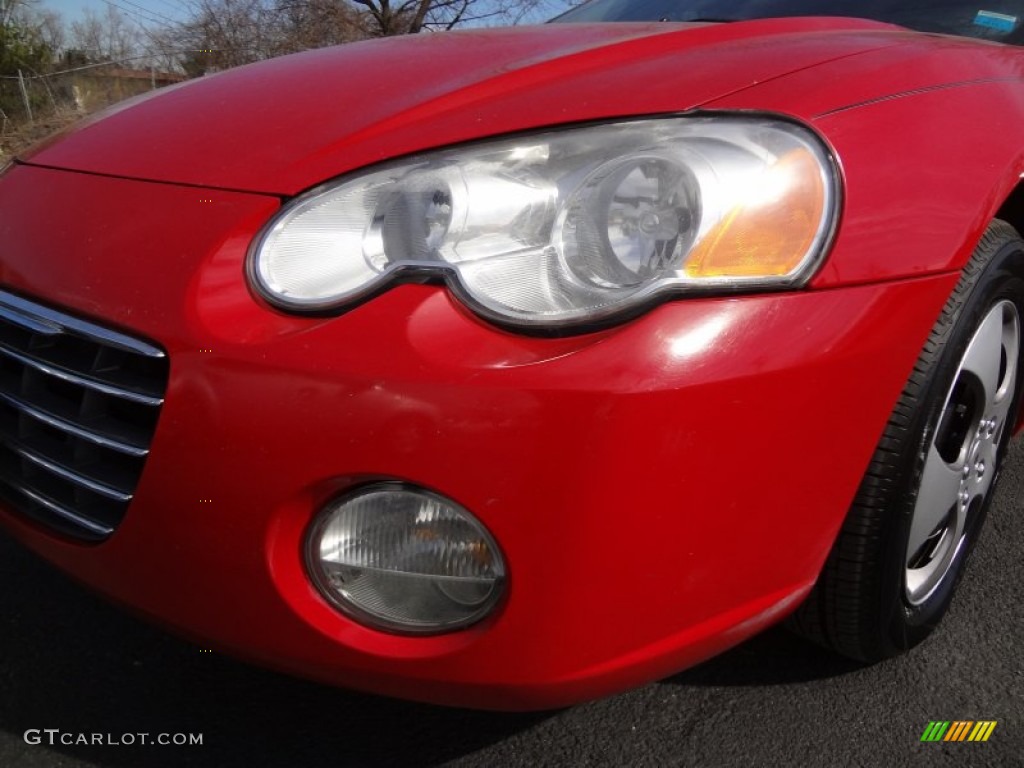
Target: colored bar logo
pixel 958 730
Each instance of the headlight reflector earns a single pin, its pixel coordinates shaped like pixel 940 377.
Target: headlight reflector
pixel 567 227
pixel 404 559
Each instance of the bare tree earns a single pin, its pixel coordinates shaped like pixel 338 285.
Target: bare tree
pixel 23 41
pixel 319 23
pixel 51 29
pixel 45 25
pixel 400 17
pixel 226 33
pixel 110 37
pixel 7 10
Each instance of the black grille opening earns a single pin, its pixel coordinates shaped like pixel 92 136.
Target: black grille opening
pixel 78 408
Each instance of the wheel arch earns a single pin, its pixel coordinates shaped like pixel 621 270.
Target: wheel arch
pixel 1011 210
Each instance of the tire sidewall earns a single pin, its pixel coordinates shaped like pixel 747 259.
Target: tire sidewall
pixel 1002 278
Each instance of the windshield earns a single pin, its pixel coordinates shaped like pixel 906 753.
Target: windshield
pixel 998 20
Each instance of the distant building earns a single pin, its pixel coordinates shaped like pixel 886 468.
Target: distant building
pixel 95 88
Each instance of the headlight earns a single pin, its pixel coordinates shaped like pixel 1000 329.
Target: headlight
pixel 405 559
pixel 565 228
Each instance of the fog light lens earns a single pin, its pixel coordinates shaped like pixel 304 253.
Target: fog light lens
pixel 405 560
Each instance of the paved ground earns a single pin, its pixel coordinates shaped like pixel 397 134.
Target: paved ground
pixel 69 661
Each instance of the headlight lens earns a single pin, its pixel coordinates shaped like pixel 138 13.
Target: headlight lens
pixel 405 559
pixel 566 227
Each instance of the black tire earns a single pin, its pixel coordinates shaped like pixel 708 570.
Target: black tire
pixel 864 604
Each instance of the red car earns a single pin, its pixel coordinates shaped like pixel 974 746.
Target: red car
pixel 510 368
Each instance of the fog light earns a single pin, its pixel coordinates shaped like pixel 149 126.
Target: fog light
pixel 404 559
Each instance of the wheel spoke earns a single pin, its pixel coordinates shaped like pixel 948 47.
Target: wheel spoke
pixel 1000 409
pixel 984 355
pixel 940 486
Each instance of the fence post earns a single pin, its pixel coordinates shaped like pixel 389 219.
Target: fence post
pixel 24 96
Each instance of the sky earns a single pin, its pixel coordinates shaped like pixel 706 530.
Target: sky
pixel 146 11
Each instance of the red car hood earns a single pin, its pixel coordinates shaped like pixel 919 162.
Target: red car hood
pixel 284 125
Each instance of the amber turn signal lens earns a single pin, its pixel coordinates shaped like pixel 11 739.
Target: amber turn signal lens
pixel 771 231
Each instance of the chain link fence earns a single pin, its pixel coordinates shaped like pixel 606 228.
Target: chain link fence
pixel 31 106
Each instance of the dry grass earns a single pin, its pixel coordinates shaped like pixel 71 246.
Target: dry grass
pixel 18 138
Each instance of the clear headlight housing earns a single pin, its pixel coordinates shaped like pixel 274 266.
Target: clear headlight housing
pixel 403 559
pixel 569 227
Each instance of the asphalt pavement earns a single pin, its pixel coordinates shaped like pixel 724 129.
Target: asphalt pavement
pixel 71 662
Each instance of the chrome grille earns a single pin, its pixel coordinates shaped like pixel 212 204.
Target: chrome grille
pixel 78 408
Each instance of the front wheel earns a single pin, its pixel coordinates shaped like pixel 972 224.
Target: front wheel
pixel 902 549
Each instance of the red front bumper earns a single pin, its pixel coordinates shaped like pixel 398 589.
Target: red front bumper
pixel 660 491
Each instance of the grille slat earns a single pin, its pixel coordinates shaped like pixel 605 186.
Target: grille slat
pixel 109 468
pixel 76 430
pixel 78 408
pixel 74 378
pixel 80 525
pixel 66 473
pixel 27 322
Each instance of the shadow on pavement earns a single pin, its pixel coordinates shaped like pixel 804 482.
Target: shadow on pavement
pixel 775 657
pixel 70 661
